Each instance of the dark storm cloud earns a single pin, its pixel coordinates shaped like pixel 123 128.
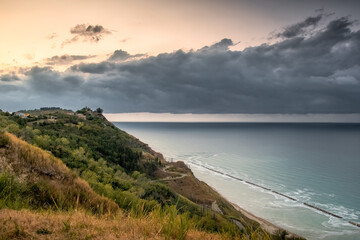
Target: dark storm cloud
pixel 121 55
pixel 48 81
pixel 90 33
pixel 301 27
pixel 319 73
pixel 65 59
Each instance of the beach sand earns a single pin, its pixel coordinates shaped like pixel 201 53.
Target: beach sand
pixel 266 225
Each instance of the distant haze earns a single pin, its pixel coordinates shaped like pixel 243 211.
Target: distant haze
pixel 170 117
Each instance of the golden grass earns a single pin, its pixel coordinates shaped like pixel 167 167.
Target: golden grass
pixel 26 224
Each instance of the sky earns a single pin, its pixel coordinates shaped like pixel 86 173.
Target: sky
pixel 198 57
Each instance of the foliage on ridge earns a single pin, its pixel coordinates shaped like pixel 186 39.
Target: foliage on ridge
pixel 32 178
pixel 114 164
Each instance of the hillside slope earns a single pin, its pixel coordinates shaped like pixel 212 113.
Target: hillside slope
pixel 126 172
pixel 39 180
pixel 50 201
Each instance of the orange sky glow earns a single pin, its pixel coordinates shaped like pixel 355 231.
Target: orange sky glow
pixel 35 30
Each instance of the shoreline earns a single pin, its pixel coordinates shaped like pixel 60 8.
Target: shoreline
pixel 265 224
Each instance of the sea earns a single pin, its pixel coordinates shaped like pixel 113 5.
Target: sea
pixel 252 164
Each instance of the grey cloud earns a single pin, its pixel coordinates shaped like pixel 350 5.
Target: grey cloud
pixel 315 74
pixel 65 59
pixel 9 77
pixel 75 81
pixel 301 27
pixel 297 75
pixel 223 45
pixel 121 55
pixel 90 33
pixel 50 82
pixel 41 86
pixel 97 68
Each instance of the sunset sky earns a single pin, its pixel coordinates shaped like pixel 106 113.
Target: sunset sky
pixel 255 56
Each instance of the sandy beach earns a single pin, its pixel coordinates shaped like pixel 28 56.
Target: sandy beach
pixel 265 224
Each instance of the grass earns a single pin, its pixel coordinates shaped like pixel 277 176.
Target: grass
pixel 25 224
pixel 33 179
pixel 43 181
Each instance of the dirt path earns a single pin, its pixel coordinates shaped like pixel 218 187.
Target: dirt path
pixel 181 175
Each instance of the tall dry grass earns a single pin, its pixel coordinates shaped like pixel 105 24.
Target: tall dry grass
pixel 25 224
pixel 50 184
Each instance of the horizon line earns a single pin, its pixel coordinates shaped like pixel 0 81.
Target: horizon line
pixel 233 117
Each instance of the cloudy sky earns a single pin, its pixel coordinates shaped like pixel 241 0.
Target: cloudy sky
pixel 204 56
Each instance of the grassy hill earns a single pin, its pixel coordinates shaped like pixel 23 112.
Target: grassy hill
pixel 78 162
pixel 40 198
pixel 32 178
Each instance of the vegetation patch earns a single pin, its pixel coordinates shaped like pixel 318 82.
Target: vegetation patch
pixel 81 170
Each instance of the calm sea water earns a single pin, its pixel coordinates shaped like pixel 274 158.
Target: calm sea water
pixel 315 163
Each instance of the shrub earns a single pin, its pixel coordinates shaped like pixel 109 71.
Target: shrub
pixel 4 140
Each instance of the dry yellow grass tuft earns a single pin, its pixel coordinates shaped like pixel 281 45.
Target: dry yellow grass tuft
pixel 25 224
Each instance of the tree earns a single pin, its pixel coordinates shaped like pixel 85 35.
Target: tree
pixel 99 110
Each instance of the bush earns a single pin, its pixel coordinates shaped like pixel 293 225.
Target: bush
pixel 11 193
pixel 4 140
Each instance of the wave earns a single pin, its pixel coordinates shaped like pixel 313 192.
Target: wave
pixel 333 233
pixel 297 198
pixel 346 213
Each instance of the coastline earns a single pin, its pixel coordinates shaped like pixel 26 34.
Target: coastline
pixel 176 142
pixel 265 224
pixel 186 172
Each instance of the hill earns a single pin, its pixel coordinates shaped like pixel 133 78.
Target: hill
pixel 41 198
pixel 128 175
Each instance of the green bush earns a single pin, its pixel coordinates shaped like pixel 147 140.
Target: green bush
pixel 12 194
pixel 4 140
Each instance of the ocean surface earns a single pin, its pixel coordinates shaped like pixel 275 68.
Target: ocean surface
pixel 318 164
